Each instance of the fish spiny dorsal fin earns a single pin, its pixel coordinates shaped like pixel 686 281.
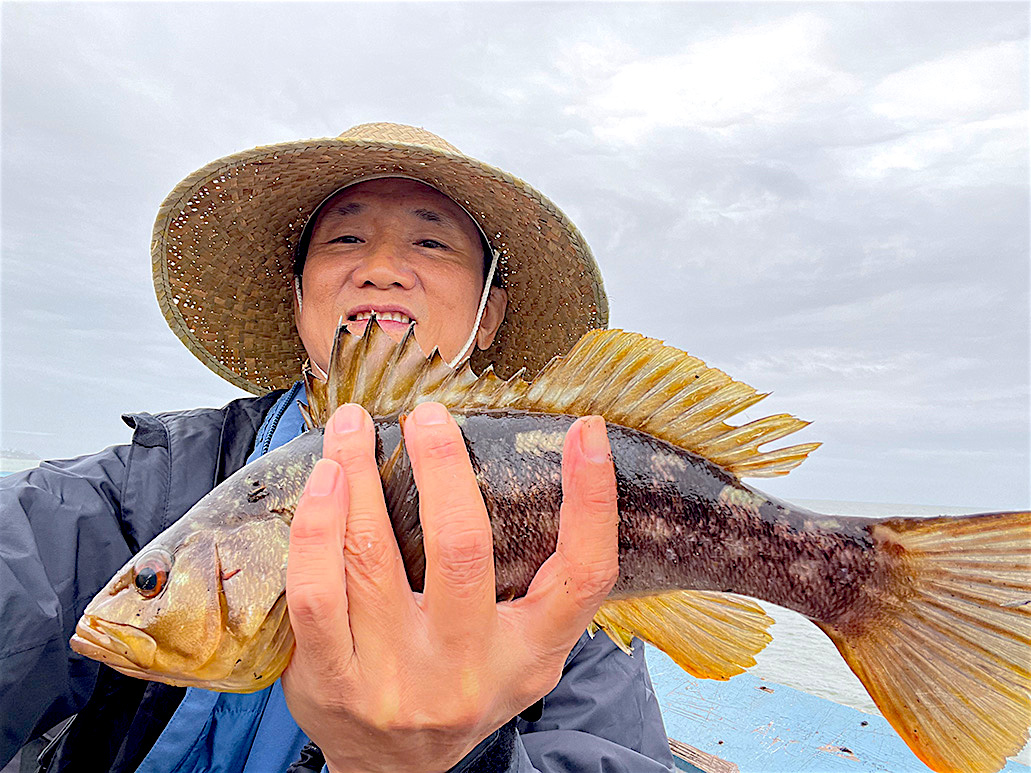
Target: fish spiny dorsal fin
pixel 640 383
pixel 388 378
pixel 624 377
pixel 709 635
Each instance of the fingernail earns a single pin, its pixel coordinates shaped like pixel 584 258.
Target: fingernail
pixel 593 439
pixel 348 418
pixel 428 414
pixel 323 478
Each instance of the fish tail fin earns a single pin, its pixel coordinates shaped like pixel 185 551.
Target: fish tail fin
pixel 947 655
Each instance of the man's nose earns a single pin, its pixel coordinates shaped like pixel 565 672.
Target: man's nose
pixel 384 266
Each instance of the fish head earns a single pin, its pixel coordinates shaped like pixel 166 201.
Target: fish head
pixel 204 603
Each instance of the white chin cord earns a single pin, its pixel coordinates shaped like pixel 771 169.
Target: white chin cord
pixel 464 351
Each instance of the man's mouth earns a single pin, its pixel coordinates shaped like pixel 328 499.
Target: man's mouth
pixel 394 320
pixel 382 316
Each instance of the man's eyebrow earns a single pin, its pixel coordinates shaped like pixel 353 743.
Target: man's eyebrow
pixel 433 216
pixel 349 208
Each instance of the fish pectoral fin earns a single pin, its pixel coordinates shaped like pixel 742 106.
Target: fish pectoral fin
pixel 402 499
pixel 709 635
pixel 315 411
pixel 947 658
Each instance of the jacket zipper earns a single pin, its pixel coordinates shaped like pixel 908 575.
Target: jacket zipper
pixel 288 398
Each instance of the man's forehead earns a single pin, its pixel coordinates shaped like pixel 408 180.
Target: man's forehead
pixel 346 208
pixel 418 199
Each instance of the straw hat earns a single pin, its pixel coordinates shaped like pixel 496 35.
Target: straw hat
pixel 224 240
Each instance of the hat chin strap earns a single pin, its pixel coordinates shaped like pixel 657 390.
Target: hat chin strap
pixel 464 352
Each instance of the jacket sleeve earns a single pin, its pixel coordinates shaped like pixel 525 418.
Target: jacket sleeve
pixel 602 717
pixel 61 539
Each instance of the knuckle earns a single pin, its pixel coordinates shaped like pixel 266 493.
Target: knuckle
pixel 592 582
pixel 599 497
pixel 356 462
pixel 368 556
pixel 310 602
pixel 464 557
pixel 307 534
pixel 443 447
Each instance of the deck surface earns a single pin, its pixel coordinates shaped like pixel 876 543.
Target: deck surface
pixel 758 725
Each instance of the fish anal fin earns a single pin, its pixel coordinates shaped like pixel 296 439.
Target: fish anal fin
pixel 709 635
pixel 947 659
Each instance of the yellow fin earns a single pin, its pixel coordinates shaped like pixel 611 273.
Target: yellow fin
pixel 624 377
pixel 640 383
pixel 948 661
pixel 314 411
pixel 709 635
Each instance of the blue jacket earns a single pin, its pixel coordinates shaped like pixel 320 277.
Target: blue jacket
pixel 67 526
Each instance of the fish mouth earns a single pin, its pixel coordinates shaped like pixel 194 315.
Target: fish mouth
pixel 122 647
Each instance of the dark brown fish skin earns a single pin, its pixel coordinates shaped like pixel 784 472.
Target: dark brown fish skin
pixel 684 522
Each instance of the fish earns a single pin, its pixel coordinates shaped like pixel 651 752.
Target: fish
pixel 932 614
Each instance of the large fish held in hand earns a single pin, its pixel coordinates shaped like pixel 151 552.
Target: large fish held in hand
pixel 932 614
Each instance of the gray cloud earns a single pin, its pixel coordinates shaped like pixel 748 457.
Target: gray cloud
pixel 829 201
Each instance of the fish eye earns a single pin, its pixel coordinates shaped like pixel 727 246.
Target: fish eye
pixel 150 573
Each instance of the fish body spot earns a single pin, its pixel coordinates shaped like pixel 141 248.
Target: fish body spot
pixel 733 496
pixel 539 442
pixel 667 467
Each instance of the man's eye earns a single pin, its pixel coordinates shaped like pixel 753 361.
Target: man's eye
pixel 433 244
pixel 345 240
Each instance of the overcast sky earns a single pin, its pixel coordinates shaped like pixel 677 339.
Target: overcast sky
pixel 828 200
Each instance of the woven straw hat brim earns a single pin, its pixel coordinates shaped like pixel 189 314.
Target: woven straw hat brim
pixel 224 239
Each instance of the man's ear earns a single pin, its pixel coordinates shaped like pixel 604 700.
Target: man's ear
pixel 493 316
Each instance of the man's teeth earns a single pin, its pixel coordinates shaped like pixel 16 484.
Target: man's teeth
pixel 383 316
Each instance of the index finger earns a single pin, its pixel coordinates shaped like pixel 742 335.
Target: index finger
pixel 315 582
pixel 568 589
pixel 459 595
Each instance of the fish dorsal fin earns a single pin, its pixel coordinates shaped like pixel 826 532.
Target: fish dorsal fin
pixel 709 635
pixel 638 382
pixel 624 377
pixel 388 378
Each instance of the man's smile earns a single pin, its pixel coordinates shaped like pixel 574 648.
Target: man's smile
pixel 393 319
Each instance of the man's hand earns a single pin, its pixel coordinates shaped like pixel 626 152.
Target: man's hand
pixel 387 679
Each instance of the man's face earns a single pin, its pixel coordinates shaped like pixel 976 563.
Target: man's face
pixel 405 251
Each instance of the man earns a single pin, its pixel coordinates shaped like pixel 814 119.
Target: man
pixel 393 220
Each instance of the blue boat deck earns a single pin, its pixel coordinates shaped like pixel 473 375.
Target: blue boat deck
pixel 748 724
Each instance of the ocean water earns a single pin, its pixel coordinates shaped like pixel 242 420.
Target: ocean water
pixel 802 657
